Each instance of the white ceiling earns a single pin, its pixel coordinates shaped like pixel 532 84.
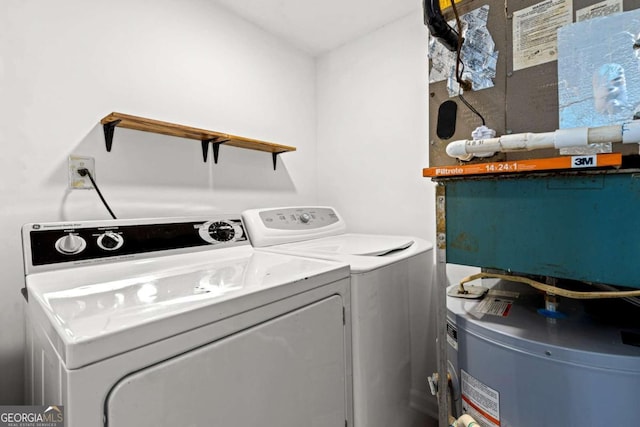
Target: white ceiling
pixel 317 26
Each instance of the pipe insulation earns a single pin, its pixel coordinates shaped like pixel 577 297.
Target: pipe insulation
pixel 466 421
pixel 465 149
pixel 438 26
pixel 549 289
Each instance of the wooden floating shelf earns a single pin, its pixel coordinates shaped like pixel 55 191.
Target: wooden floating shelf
pixel 206 137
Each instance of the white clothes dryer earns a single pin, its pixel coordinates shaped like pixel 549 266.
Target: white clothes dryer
pixel 180 322
pixel 391 313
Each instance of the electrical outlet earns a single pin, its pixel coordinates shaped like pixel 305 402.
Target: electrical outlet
pixel 76 181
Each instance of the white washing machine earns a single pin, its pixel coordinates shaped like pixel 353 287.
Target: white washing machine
pixel 179 322
pixel 392 319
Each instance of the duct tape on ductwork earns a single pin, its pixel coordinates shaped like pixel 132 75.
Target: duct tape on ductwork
pixel 607 89
pixel 477 53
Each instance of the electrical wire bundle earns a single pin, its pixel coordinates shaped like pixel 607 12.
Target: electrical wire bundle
pixel 464 84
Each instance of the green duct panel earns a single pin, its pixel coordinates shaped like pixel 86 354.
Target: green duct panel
pixel 581 227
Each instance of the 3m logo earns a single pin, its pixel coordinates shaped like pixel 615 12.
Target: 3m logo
pixel 583 161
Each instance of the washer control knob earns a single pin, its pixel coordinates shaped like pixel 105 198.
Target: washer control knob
pixel 70 244
pixel 110 241
pixel 305 218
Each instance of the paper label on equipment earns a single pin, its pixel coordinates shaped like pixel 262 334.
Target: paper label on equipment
pixel 604 8
pixel 452 336
pixel 535 39
pixel 480 401
pixel 503 293
pixel 495 306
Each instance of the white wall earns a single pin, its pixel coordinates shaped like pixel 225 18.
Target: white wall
pixel 373 144
pixel 373 130
pixel 65 64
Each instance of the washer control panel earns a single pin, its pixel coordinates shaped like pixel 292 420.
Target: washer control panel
pixel 298 218
pixel 95 241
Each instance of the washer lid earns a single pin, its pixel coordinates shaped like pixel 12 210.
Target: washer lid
pixel 358 244
pixel 363 252
pixel 94 312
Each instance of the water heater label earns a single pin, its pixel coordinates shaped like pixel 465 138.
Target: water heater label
pixel 452 336
pixel 480 401
pixel 493 305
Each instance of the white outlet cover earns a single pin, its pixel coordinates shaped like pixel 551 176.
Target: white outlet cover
pixel 75 180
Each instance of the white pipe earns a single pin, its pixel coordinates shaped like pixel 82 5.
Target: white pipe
pixel 466 421
pixel 465 149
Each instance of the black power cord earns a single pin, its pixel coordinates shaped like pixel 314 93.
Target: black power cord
pixel 85 172
pixel 465 85
pixel 470 107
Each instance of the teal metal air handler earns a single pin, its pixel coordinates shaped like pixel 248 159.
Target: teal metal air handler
pixel 582 227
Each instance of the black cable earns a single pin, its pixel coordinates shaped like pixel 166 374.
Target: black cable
pixel 459 46
pixel 85 171
pixel 464 84
pixel 465 102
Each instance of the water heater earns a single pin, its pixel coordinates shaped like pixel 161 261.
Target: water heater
pixel 513 367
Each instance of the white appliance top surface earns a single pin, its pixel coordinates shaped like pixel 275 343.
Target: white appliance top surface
pixel 363 252
pixel 321 232
pixel 356 244
pixel 93 312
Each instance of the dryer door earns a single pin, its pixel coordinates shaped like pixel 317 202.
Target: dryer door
pixel 287 372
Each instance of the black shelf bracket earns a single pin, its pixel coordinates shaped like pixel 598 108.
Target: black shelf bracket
pixel 216 149
pixel 108 133
pixel 205 148
pixel 275 158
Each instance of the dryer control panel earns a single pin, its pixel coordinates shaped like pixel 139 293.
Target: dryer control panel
pixel 50 244
pixel 276 226
pixel 298 218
